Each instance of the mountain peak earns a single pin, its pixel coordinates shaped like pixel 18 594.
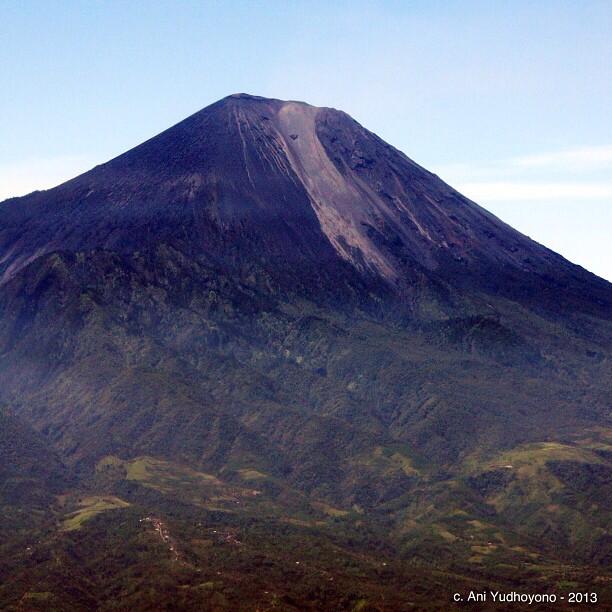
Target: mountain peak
pixel 250 101
pixel 247 97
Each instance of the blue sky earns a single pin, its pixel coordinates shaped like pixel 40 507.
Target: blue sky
pixel 507 101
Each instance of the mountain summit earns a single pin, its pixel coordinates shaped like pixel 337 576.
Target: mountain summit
pixel 304 192
pixel 249 359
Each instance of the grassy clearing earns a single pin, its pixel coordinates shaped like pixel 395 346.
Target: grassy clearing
pixel 250 474
pixel 157 474
pixel 182 482
pixel 90 507
pixel 531 456
pixel 386 461
pixel 109 462
pixel 444 533
pixel 38 596
pixel 483 550
pixel 329 510
pixel 534 483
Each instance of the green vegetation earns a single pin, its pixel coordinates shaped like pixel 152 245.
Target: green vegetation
pixel 89 507
pixel 393 462
pixel 329 510
pixel 249 474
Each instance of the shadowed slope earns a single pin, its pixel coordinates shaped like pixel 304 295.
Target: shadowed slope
pixel 31 472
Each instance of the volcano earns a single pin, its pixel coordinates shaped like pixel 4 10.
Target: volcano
pixel 300 190
pixel 265 331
